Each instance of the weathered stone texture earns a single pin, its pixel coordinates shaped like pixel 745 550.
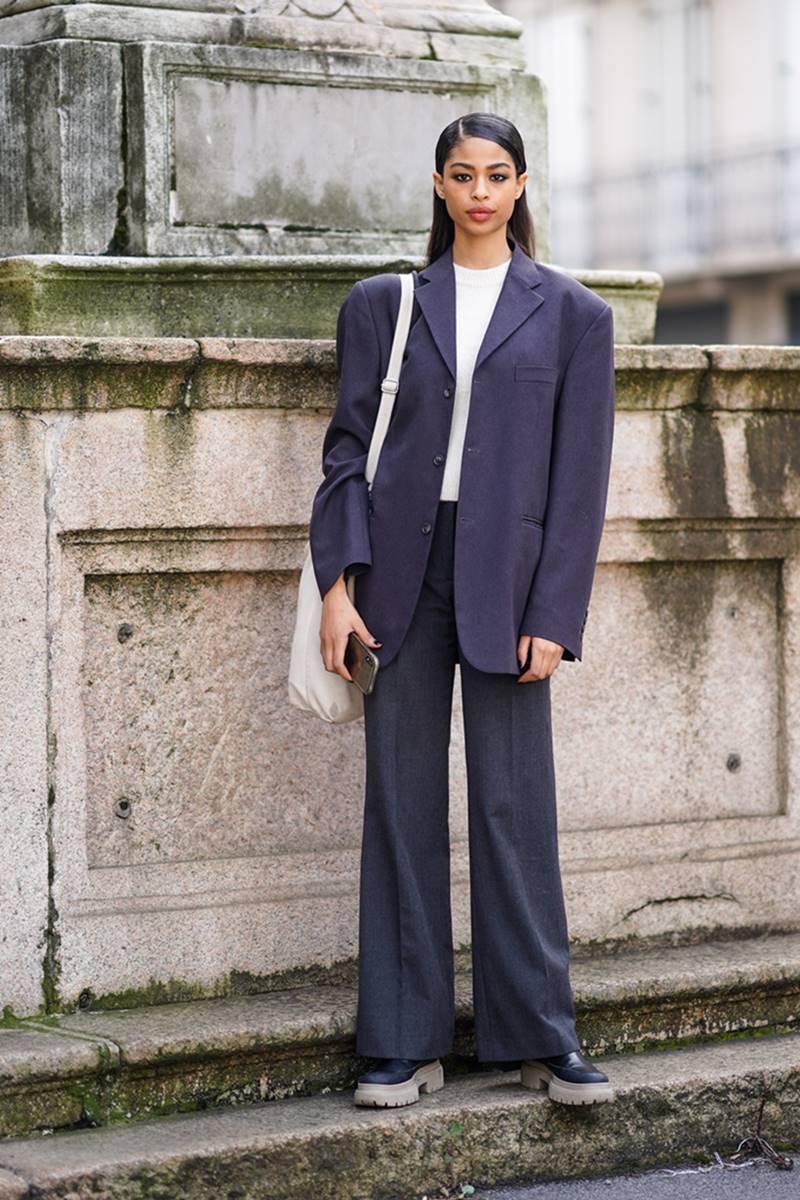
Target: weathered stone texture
pixel 61 146
pixel 461 31
pixel 237 296
pixel 25 754
pixel 183 148
pixel 261 145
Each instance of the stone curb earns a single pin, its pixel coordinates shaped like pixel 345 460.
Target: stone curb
pixel 481 1129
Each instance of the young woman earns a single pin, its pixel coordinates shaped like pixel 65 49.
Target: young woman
pixel 477 546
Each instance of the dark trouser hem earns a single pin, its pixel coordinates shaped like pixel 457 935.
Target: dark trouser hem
pixel 542 1050
pixel 386 1050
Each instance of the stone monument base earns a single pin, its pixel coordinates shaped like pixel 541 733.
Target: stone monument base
pixel 276 296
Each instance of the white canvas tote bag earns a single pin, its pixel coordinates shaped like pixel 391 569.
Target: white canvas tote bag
pixel 311 686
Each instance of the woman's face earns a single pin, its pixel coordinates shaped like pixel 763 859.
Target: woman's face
pixel 479 186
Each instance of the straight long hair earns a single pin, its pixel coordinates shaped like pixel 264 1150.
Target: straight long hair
pixel 494 129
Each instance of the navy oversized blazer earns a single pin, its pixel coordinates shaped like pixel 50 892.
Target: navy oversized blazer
pixel 534 472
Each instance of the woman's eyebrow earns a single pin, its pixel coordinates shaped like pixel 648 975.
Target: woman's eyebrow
pixel 490 167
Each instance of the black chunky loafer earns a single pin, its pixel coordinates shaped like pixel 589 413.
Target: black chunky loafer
pixel 568 1078
pixel 397 1081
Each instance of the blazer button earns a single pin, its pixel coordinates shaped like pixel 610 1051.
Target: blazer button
pixel 426 528
pixel 438 459
pixel 446 392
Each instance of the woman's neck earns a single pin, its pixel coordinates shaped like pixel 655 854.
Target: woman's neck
pixel 480 254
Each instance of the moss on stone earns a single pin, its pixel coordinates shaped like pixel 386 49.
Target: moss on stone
pixel 694 463
pixel 773 457
pixel 235 983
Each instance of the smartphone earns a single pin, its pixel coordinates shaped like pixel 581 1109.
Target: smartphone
pixel 361 661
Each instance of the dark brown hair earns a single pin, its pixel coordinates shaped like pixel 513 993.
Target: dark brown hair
pixel 494 129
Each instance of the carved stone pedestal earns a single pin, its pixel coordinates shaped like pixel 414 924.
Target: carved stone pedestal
pixel 235 127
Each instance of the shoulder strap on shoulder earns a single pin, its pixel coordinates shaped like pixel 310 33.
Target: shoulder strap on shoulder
pixel 391 382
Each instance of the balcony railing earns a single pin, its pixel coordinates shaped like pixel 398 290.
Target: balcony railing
pixel 737 212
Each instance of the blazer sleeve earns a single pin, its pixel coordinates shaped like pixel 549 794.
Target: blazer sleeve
pixel 580 465
pixel 339 532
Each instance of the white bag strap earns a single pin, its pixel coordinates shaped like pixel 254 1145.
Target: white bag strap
pixel 391 382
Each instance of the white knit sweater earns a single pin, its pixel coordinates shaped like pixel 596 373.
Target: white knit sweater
pixel 477 290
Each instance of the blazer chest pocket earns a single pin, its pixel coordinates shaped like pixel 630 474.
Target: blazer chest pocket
pixel 531 372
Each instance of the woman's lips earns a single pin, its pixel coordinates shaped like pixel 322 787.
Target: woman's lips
pixel 479 214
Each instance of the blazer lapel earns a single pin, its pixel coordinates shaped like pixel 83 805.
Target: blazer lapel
pixel 436 295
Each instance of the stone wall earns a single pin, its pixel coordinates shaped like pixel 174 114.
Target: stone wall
pixel 171 827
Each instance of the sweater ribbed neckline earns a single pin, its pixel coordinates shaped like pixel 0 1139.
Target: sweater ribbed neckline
pixel 480 276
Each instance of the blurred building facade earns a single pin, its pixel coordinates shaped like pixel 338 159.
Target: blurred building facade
pixel 675 145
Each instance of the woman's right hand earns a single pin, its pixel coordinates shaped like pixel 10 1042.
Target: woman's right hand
pixel 339 616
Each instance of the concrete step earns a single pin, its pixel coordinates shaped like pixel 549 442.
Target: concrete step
pixel 95 1067
pixel 480 1129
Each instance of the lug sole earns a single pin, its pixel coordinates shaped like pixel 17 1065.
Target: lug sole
pixel 540 1078
pixel 429 1078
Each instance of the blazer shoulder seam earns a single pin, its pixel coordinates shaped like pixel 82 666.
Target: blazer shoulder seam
pixel 365 291
pixel 605 309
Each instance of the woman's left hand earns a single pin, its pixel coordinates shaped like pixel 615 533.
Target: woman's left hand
pixel 545 657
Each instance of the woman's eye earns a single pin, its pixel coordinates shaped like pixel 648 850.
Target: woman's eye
pixel 461 177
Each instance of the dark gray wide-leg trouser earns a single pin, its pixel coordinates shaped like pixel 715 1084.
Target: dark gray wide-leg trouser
pixel 521 991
